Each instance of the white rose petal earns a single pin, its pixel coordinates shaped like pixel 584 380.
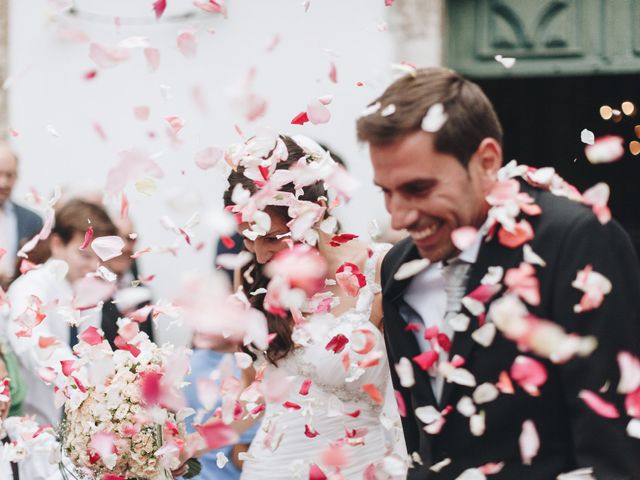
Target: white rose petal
pixel 411 268
pixel 466 407
pixel 371 109
pixel 477 424
pixel 404 369
pixel 436 467
pixel 461 376
pixel 485 334
pixel 460 322
pixel 474 306
pixel 471 474
pixel 579 474
pixel 394 466
pixel 485 393
pixel 586 136
pixel 529 442
pixel 506 62
pixel 434 119
pixel 532 257
pixel 221 460
pixel 388 110
pixel 493 276
pixel 243 360
pixel 428 414
pixel 633 428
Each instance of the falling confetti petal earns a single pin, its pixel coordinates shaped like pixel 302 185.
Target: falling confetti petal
pixel 409 269
pixel 107 57
pixel 506 62
pixel 598 405
pixel 434 119
pixel 186 42
pixel 529 442
pixel 318 113
pixel 108 247
pixel 586 136
pixel 464 237
pixel 51 129
pixel 141 112
pixel 152 56
pixel 605 149
pixel 388 110
pixel 159 7
pixel 208 158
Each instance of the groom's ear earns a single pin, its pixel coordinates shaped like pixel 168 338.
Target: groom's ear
pixel 486 160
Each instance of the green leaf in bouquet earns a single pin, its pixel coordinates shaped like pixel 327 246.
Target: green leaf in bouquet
pixel 195 467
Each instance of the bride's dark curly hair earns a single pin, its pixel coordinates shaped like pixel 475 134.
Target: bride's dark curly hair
pixel 282 344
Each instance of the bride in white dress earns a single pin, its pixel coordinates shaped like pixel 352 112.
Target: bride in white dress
pixel 329 408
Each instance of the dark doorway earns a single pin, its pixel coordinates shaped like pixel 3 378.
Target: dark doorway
pixel 543 118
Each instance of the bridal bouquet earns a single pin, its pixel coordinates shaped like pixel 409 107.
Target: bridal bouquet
pixel 123 409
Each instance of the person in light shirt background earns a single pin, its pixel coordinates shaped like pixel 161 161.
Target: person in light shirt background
pixel 53 284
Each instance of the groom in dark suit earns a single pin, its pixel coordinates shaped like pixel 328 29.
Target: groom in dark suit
pixel 511 309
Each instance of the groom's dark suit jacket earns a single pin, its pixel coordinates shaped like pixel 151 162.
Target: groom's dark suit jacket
pixel 568 237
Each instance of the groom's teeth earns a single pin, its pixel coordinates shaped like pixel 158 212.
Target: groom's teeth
pixel 421 234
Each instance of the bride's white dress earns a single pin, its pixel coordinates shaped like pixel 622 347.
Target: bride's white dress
pixel 341 422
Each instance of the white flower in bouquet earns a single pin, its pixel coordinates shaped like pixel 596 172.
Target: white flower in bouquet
pixel 125 417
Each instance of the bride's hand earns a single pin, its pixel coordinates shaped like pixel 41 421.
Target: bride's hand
pixel 180 471
pixel 193 448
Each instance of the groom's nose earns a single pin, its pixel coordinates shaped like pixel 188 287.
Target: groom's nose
pixel 403 218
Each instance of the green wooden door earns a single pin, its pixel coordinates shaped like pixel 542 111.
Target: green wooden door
pixel 547 37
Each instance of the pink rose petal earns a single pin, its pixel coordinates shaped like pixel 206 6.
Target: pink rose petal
pixel 362 341
pixel 598 405
pixel 523 282
pixel 152 56
pixel 209 157
pixel 337 343
pixel 529 374
pixel 216 434
pixel 91 336
pixel 186 42
pixel 212 6
pixel 107 57
pixel 522 234
pixel 629 372
pixel 333 73
pixel 141 112
pixel 103 443
pixel 318 113
pixel 632 403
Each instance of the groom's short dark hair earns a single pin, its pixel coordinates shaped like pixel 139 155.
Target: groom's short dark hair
pixel 470 115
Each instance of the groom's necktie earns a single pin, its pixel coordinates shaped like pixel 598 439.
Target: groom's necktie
pixel 455 275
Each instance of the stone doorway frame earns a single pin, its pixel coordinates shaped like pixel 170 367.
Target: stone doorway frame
pixel 4 66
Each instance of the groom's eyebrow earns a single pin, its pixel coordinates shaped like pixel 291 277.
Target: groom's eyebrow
pixel 412 185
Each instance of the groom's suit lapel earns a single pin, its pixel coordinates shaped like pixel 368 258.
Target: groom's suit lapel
pixel 404 340
pixel 490 254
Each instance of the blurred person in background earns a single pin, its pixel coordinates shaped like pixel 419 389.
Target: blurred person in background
pixel 50 287
pixel 130 294
pixel 213 362
pixel 17 224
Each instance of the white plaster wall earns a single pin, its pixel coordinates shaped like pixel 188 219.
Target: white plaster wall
pixel 47 87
